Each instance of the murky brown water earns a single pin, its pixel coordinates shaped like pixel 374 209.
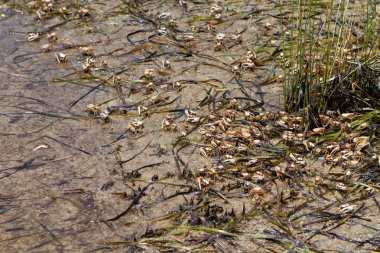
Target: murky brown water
pixel 66 176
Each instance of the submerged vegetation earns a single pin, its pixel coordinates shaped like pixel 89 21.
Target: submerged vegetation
pixel 216 126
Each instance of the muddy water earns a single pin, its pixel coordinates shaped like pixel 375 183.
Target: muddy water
pixel 73 182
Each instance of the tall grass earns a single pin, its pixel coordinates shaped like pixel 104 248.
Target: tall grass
pixel 331 56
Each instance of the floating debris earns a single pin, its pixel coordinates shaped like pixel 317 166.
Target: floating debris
pixel 47 47
pixel 165 15
pixel 135 126
pixel 83 12
pixel 168 124
pixel 33 36
pixel 43 146
pixel 347 208
pixel 52 37
pixel 150 87
pixel 149 73
pixel 87 51
pixel 93 109
pixel 61 57
pixel 166 64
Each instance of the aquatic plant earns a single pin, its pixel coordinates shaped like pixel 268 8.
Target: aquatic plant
pixel 330 57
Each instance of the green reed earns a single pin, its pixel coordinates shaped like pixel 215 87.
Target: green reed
pixel 330 56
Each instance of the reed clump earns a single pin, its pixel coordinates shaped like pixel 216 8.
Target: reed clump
pixel 331 57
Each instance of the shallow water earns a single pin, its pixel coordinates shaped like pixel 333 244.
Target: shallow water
pixel 66 176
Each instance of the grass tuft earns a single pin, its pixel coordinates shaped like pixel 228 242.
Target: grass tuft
pixel 331 57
